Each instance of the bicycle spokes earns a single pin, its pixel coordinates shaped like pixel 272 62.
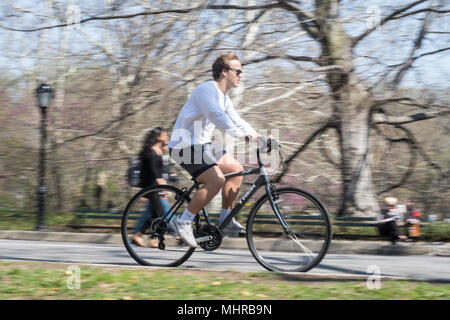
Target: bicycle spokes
pixel 139 217
pixel 291 234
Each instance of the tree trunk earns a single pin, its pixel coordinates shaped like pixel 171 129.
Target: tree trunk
pixel 352 105
pixel 359 194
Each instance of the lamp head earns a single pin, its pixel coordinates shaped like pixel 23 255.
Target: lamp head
pixel 44 94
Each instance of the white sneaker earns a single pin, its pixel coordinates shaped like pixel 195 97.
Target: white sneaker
pixel 234 227
pixel 184 229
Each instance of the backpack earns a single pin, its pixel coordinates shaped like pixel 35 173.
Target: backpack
pixel 134 171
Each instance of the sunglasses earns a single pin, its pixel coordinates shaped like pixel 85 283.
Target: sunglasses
pixel 238 71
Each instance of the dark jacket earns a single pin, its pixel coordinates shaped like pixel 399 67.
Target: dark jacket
pixel 151 168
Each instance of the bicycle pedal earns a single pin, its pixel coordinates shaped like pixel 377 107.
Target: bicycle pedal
pixel 202 239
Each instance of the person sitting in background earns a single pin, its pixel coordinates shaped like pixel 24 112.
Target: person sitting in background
pixel 412 225
pixel 387 221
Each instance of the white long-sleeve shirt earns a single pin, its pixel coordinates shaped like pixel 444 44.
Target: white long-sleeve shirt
pixel 206 109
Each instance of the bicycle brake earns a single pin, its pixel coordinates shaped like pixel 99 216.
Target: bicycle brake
pixel 274 192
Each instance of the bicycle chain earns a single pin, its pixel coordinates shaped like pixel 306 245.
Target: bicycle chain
pixel 214 232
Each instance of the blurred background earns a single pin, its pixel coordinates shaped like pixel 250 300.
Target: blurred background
pixel 359 95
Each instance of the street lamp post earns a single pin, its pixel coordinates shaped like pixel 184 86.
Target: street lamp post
pixel 44 95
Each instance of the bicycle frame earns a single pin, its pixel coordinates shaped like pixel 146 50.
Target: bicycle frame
pixel 263 180
pixel 209 236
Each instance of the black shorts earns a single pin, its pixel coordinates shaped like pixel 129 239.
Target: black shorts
pixel 197 158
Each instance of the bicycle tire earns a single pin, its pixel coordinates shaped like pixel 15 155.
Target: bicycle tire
pixel 271 248
pixel 154 256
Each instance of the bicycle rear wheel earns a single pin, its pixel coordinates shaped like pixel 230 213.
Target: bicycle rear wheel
pixel 171 251
pixel 302 245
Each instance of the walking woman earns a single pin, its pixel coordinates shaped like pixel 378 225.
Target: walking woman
pixel 151 174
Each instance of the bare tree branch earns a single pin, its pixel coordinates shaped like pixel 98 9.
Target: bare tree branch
pixel 308 141
pixel 420 11
pixel 431 52
pixel 380 118
pixel 147 12
pixel 413 146
pixel 109 124
pixel 417 44
pixel 390 17
pixel 306 19
pixel 285 56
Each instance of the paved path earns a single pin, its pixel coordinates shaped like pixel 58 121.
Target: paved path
pixel 413 267
pixel 337 246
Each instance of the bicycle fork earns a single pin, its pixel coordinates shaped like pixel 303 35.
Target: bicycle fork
pixel 273 196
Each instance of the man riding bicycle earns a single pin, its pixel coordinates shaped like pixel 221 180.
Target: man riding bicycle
pixel 190 144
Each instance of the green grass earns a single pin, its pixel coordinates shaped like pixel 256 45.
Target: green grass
pixel 26 220
pixel 436 231
pixel 41 280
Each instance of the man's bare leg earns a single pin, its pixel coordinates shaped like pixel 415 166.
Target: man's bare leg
pixel 231 187
pixel 212 180
pixel 230 192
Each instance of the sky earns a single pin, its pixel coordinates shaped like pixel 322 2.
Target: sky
pixel 428 71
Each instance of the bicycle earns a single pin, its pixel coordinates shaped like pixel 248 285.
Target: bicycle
pixel 288 229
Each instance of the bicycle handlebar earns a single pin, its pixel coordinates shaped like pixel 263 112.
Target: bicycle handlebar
pixel 264 145
pixel 270 144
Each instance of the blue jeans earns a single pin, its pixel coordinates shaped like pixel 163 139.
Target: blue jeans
pixel 166 206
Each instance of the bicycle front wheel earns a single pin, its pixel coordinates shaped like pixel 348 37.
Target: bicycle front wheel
pixel 160 245
pixel 295 243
